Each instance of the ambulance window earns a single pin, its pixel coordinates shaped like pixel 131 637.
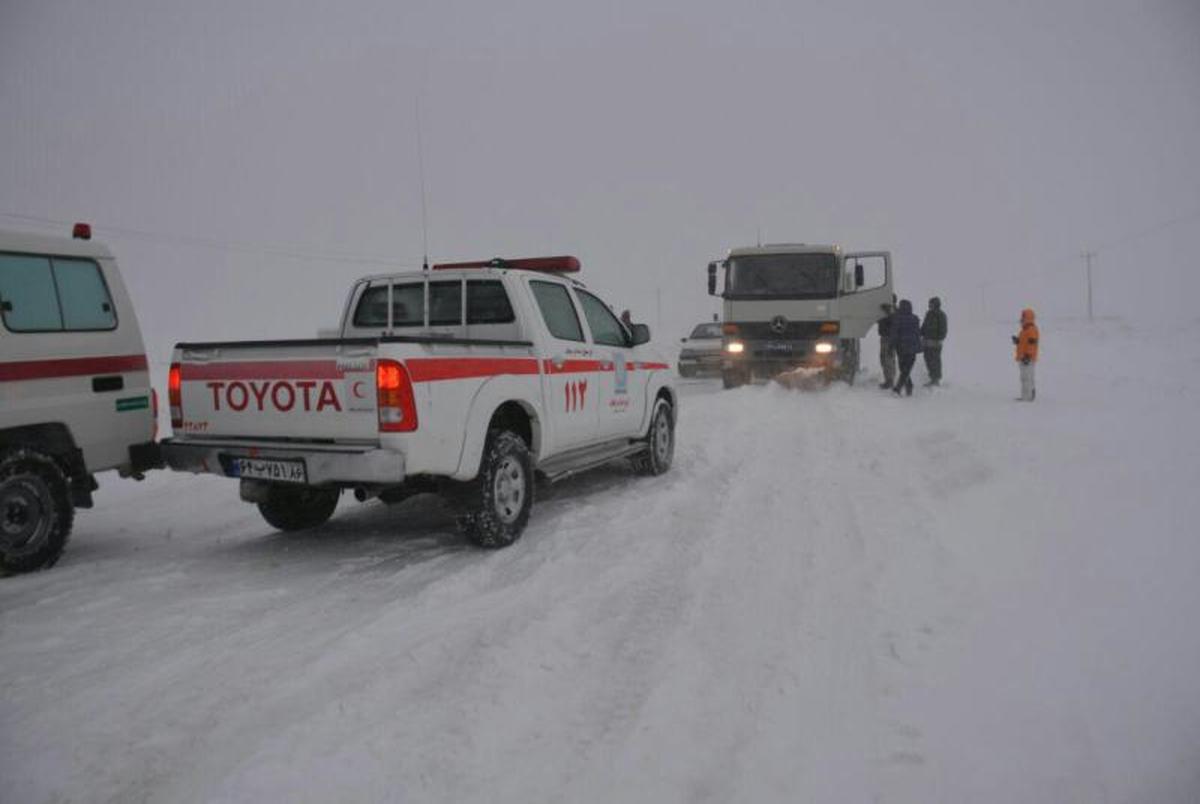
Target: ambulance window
pixel 606 330
pixel 408 305
pixel 85 302
pixel 445 304
pixel 487 303
pixel 372 307
pixel 557 310
pixel 28 301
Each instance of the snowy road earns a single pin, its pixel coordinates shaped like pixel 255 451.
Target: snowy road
pixel 833 596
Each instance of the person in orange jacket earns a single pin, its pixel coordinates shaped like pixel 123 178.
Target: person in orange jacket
pixel 1027 354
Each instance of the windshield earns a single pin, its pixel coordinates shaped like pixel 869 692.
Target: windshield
pixel 706 331
pixel 783 276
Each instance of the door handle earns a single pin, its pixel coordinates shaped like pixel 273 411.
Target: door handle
pixel 114 382
pixel 558 361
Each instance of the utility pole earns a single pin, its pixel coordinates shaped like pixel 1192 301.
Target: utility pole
pixel 1088 256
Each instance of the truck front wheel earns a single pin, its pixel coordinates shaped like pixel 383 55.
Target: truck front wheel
pixel 297 507
pixel 35 511
pixel 497 502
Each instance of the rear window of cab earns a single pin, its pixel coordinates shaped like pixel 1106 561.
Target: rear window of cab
pixel 54 294
pixel 487 303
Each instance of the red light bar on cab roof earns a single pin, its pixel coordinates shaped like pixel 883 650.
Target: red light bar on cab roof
pixel 82 231
pixel 564 264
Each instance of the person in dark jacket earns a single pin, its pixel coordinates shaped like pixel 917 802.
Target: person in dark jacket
pixel 933 332
pixel 887 350
pixel 906 335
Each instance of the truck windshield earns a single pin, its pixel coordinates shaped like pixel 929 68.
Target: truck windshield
pixel 783 276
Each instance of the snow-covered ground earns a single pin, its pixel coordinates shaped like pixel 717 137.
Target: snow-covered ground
pixel 834 596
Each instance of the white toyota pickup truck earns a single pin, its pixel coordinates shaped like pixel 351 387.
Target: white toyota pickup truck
pixel 470 380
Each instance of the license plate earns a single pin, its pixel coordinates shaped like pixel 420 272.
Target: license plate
pixel 774 347
pixel 281 471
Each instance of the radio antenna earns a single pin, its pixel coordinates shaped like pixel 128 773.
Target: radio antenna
pixel 424 209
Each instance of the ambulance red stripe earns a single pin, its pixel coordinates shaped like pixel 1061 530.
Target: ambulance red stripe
pixel 21 370
pixel 433 369
pixel 264 370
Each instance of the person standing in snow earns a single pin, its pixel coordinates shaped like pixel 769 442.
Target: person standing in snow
pixel 1027 354
pixel 887 349
pixel 906 335
pixel 933 332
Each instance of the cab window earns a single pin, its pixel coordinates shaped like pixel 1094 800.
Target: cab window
pixel 487 303
pixel 557 310
pixel 408 306
pixel 43 294
pixel 606 329
pixel 445 304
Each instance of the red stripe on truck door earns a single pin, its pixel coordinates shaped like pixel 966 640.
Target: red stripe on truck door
pixel 71 367
pixel 433 369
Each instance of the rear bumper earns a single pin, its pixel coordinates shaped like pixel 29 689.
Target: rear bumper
pixel 701 363
pixel 323 466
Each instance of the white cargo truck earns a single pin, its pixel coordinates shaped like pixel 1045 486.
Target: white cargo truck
pixel 469 380
pixel 75 396
pixel 792 306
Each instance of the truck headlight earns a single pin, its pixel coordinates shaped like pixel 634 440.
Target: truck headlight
pixel 823 348
pixel 735 347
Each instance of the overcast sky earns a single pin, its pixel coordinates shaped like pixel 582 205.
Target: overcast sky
pixel 982 142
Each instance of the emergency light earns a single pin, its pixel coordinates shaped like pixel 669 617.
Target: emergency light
pixel 564 264
pixel 82 231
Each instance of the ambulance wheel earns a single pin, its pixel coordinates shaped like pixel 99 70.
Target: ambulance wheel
pixel 297 507
pixel 660 442
pixel 496 504
pixel 36 513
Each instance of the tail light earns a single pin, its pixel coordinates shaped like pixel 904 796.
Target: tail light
pixel 154 412
pixel 397 405
pixel 175 395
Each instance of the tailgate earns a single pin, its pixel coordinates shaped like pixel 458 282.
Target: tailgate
pixel 322 391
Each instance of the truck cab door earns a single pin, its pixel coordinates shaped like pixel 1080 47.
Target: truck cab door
pixel 569 367
pixel 866 285
pixel 621 386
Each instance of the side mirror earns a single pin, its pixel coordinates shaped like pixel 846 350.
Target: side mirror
pixel 712 279
pixel 860 278
pixel 641 334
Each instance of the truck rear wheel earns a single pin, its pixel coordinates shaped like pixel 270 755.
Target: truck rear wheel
pixel 734 378
pixel 297 507
pixel 36 513
pixel 497 502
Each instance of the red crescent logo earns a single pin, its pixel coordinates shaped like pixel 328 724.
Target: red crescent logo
pixel 354 389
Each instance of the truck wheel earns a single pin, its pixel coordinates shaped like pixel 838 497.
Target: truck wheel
pixel 660 442
pixel 687 372
pixel 850 360
pixel 733 378
pixel 497 502
pixel 36 513
pixel 297 507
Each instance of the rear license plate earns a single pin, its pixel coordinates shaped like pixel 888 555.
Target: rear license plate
pixel 777 348
pixel 280 471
